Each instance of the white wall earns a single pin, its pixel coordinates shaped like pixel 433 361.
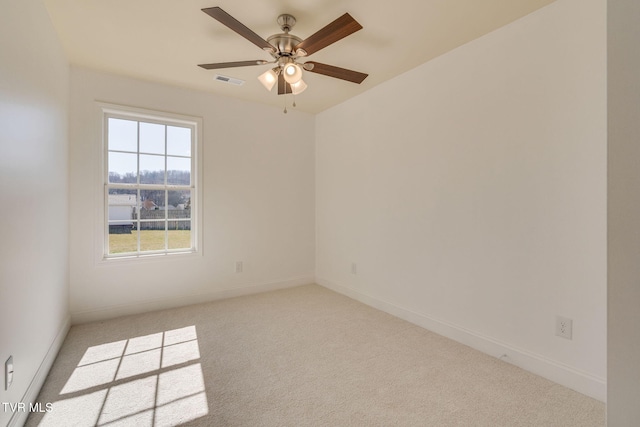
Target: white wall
pixel 34 288
pixel 623 392
pixel 258 201
pixel 471 194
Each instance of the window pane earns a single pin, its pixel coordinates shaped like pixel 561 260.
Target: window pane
pixel 178 141
pixel 179 204
pixel 178 171
pixel 153 238
pixel 151 169
pixel 122 207
pixel 123 168
pixel 123 135
pixel 151 201
pixel 180 236
pixel 123 242
pixel 151 138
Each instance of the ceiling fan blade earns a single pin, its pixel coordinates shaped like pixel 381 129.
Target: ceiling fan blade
pixel 225 19
pixel 232 64
pixel 283 86
pixel 338 29
pixel 337 72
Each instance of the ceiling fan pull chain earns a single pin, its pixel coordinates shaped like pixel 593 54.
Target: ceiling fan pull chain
pixel 285 103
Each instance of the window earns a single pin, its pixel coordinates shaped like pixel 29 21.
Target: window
pixel 150 184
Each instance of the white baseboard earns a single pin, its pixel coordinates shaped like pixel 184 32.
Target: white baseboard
pixel 557 372
pixel 30 396
pixel 104 313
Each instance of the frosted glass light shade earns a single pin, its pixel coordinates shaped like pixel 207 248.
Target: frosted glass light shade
pixel 299 87
pixel 292 73
pixel 268 79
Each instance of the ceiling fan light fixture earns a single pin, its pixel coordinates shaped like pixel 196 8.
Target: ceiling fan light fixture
pixel 268 79
pixel 292 73
pixel 299 87
pixel 286 49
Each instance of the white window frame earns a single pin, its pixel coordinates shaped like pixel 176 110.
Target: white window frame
pixel 171 119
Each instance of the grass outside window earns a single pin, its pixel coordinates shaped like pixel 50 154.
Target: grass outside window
pixel 150 240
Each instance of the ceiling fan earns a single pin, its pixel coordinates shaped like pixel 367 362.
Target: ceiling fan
pixel 287 50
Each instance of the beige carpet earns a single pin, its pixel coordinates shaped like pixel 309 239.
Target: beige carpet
pixel 295 357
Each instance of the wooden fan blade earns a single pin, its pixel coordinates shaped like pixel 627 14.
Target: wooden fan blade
pixel 225 19
pixel 338 29
pixel 232 64
pixel 337 72
pixel 283 86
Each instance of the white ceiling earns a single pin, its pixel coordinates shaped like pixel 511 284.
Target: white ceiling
pixel 164 40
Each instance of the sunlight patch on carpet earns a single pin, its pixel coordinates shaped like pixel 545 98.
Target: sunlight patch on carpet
pixel 151 380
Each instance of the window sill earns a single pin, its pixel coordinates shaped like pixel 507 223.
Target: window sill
pixel 146 258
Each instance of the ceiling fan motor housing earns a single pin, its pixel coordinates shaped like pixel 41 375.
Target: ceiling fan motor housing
pixel 284 43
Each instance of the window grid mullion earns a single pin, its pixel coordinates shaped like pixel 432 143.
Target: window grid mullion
pixel 139 200
pixel 192 182
pixel 166 220
pixel 105 175
pixel 148 154
pixel 124 186
pixel 166 193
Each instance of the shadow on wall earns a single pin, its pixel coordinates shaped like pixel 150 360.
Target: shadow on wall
pixel 153 380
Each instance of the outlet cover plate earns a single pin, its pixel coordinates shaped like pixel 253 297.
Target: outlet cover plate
pixel 8 373
pixel 564 327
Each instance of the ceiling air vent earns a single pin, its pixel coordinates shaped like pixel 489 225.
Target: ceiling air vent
pixel 229 80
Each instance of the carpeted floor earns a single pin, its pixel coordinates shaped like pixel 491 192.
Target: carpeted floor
pixel 295 357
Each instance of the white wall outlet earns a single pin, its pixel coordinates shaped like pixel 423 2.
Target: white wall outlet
pixel 354 268
pixel 8 373
pixel 564 327
pixel 239 267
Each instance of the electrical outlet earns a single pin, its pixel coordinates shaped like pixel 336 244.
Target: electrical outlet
pixel 8 373
pixel 239 267
pixel 564 327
